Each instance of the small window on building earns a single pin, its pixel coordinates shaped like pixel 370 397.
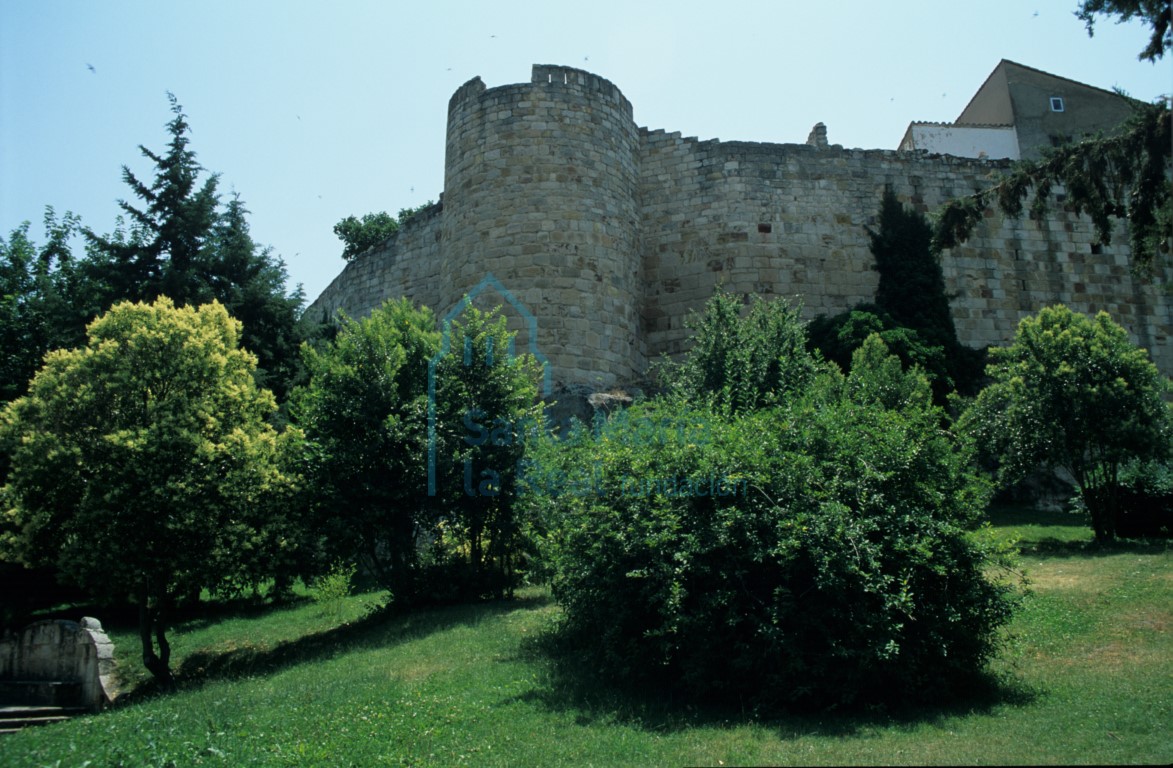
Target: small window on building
pixel 765 229
pixel 1056 103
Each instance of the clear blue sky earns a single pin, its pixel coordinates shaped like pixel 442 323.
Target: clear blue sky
pixel 313 111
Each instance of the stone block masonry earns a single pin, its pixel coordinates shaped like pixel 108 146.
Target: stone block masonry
pixel 58 664
pixel 611 234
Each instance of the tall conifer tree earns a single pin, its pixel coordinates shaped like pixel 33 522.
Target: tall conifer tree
pixel 183 244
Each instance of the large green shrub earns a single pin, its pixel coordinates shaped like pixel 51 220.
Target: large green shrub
pixel 741 360
pixel 1073 392
pixel 815 552
pixel 414 435
pixel 837 337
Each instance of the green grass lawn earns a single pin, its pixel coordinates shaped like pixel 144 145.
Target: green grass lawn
pixel 1085 679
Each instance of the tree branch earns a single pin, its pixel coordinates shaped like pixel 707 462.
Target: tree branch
pixel 1125 176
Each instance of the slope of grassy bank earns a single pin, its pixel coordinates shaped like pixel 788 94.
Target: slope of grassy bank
pixel 1084 680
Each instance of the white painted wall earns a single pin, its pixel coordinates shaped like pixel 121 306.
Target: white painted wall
pixel 992 142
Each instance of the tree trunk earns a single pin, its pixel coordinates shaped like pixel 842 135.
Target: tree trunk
pixel 282 587
pixel 1101 505
pixel 150 622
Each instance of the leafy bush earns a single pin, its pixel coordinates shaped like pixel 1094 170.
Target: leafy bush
pixel 1073 392
pixel 414 435
pixel 331 589
pixel 1146 503
pixel 741 362
pixel 816 552
pixel 1152 477
pixel 838 336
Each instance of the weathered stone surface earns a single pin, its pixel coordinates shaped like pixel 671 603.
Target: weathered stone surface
pixel 609 234
pixel 58 663
pixel 107 669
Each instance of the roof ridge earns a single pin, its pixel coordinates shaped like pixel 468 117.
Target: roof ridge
pixel 1002 62
pixel 956 124
pixel 1067 79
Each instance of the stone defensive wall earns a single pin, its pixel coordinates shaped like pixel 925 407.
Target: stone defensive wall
pixel 610 234
pixel 791 220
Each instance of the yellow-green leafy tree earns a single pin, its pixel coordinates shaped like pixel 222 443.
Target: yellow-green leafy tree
pixel 144 466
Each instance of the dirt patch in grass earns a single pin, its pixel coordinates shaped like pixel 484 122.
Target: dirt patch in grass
pixel 1115 655
pixel 1044 579
pixel 1157 622
pixel 421 670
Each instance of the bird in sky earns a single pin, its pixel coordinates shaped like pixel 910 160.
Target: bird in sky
pixel 90 67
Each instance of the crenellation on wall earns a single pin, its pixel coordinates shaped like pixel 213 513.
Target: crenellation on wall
pixel 610 234
pixel 470 90
pixel 539 192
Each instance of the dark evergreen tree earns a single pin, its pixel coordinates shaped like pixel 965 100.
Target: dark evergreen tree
pixel 911 295
pixel 42 300
pixel 912 285
pixel 1158 14
pixel 182 244
pixel 250 281
pixel 163 254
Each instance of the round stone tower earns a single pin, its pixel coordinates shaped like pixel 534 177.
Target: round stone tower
pixel 540 205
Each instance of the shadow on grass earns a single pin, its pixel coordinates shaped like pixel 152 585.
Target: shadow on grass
pixel 205 614
pixel 1065 543
pixel 1053 547
pixel 378 629
pixel 1002 516
pixel 574 686
pixel 189 617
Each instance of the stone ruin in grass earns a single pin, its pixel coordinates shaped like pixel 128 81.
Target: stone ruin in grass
pixel 58 664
